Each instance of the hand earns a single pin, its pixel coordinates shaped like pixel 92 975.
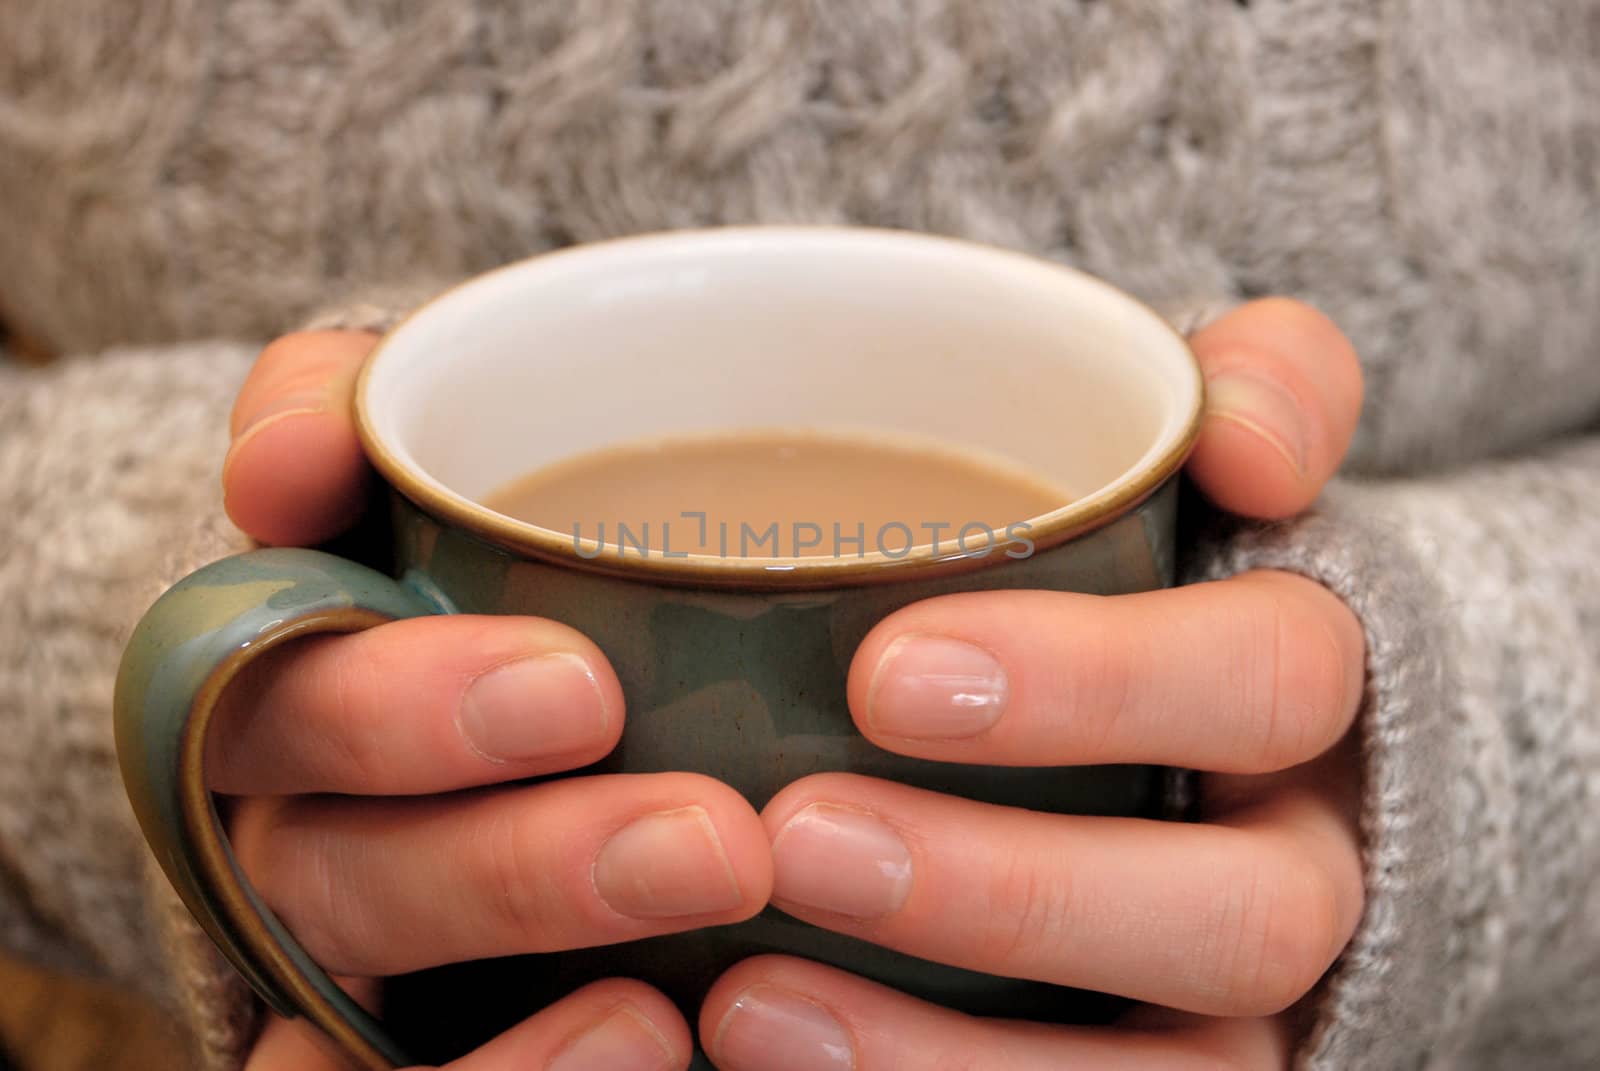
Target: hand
pixel 346 754
pixel 1221 926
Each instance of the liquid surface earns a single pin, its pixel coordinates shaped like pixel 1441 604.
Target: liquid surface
pixel 779 494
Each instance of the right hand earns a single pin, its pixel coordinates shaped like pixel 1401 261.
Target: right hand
pixel 347 754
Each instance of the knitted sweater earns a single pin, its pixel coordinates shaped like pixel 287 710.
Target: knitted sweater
pixel 179 171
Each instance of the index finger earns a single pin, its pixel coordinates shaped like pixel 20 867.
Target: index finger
pixel 295 474
pixel 1047 678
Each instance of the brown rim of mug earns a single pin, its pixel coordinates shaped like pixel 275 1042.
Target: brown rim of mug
pixel 769 574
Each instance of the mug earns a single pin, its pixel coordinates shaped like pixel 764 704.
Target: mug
pixel 733 667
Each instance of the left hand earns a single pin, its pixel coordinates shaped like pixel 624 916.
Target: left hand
pixel 1219 927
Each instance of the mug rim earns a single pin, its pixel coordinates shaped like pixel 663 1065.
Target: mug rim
pixel 1046 530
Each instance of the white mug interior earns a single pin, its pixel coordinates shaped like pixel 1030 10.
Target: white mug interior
pixel 834 329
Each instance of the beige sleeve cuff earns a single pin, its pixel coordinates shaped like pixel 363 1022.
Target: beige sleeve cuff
pixel 111 465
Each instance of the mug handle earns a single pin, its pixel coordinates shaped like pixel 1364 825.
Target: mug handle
pixel 185 650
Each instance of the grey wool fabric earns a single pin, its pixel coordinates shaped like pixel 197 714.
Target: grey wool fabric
pixel 175 172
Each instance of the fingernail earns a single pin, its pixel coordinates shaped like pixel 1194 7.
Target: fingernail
pixel 935 688
pixel 768 1029
pixel 546 705
pixel 1264 406
pixel 282 409
pixel 289 404
pixel 623 1041
pixel 666 865
pixel 843 860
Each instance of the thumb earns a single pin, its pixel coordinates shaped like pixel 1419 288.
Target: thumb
pixel 294 473
pixel 1283 394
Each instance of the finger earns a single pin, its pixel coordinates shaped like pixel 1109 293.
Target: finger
pixel 774 1013
pixel 1283 393
pixel 1259 672
pixel 296 1045
pixel 295 474
pixel 1334 775
pixel 614 1025
pixel 383 886
pixel 1238 919
pixel 423 705
pixel 1270 1039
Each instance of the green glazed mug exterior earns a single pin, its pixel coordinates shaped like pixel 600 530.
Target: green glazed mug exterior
pixel 731 666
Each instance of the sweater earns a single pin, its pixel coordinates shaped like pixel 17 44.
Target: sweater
pixel 182 179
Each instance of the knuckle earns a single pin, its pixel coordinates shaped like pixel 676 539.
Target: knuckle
pixel 1306 938
pixel 1100 693
pixel 1031 912
pixel 334 928
pixel 292 862
pixel 1271 736
pixel 1301 674
pixel 344 698
pixel 1275 934
pixel 508 880
pixel 361 727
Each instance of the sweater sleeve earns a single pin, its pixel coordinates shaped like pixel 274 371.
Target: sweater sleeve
pixel 1480 595
pixel 109 467
pixel 113 464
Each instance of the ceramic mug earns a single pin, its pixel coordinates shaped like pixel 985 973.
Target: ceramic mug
pixel 734 667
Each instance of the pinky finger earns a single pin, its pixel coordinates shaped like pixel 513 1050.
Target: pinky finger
pixel 773 1013
pixel 296 1045
pixel 613 1025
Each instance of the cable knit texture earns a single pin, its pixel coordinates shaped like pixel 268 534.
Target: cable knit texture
pixel 1422 171
pixel 174 170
